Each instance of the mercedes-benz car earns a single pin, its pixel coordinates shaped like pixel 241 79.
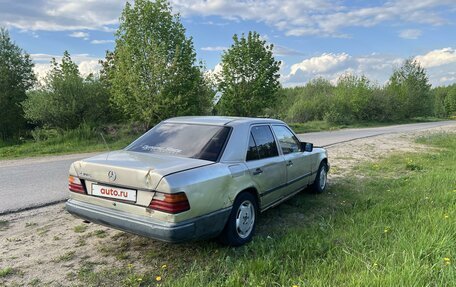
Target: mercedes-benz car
pixel 192 178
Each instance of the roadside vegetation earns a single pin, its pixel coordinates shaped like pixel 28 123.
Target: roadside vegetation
pixel 6 271
pixel 81 139
pixel 153 74
pixel 389 223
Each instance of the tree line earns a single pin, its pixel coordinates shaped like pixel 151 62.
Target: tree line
pixel 152 74
pixel 352 99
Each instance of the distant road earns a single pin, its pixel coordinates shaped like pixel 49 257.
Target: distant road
pixel 32 182
pixel 335 137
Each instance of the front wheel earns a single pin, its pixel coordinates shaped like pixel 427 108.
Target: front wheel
pixel 321 180
pixel 241 224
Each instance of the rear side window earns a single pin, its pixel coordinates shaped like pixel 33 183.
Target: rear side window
pixel 264 141
pixel 252 151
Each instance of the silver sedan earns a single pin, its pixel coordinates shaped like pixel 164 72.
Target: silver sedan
pixel 194 178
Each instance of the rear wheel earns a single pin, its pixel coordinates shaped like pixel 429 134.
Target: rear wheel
pixel 241 224
pixel 321 180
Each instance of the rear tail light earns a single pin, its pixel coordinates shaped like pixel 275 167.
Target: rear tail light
pixel 170 203
pixel 75 184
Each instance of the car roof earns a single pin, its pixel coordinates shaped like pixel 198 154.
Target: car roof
pixel 218 120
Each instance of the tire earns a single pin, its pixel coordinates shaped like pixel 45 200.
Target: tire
pixel 242 221
pixel 321 180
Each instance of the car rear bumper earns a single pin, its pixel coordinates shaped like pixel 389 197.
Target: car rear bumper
pixel 202 227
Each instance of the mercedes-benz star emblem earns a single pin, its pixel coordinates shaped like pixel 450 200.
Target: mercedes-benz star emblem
pixel 112 175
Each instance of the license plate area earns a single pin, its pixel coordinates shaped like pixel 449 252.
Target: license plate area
pixel 118 193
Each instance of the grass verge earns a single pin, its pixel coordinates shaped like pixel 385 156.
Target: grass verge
pixel 392 223
pixel 82 139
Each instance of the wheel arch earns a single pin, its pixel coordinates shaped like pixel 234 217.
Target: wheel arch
pixel 253 191
pixel 325 160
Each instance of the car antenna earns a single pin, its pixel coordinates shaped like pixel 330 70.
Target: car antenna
pixel 106 144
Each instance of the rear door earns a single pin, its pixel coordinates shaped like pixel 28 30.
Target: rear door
pixel 298 163
pixel 266 165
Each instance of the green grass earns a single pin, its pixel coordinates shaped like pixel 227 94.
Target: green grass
pixel 6 271
pixel 392 223
pixel 52 142
pixel 4 225
pixel 80 228
pixel 100 233
pixel 70 255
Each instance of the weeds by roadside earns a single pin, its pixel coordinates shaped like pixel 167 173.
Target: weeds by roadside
pixel 80 228
pixel 6 271
pixel 4 224
pixel 82 139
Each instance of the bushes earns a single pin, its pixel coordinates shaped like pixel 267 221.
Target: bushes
pixel 445 101
pixel 355 99
pixel 67 100
pixel 301 104
pixel 410 89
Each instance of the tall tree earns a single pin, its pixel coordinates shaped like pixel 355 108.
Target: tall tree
pixel 67 99
pixel 16 77
pixel 152 73
pixel 409 86
pixel 249 79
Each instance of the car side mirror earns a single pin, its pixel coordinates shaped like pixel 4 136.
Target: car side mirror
pixel 307 146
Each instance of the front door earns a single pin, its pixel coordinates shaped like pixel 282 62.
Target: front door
pixel 298 163
pixel 266 166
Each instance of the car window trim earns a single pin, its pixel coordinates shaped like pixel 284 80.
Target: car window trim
pixel 289 129
pixel 279 150
pixel 256 148
pixel 222 151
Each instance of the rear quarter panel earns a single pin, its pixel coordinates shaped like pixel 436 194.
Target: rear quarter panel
pixel 208 188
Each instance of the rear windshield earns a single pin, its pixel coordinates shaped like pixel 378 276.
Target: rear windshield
pixel 185 140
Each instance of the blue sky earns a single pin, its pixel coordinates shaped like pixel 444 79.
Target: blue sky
pixel 312 38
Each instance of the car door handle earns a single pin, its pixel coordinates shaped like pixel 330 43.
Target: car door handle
pixel 258 171
pixel 289 163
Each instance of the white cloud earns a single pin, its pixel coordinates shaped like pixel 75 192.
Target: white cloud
pixel 294 17
pixel 86 63
pixel 215 48
pixel 79 34
pixel 99 42
pixel 41 71
pixel 63 15
pixel 279 50
pixel 215 71
pixel 319 17
pixel 448 79
pixel 438 57
pixel 89 67
pixel 324 63
pixel 212 74
pixel 411 34
pixel 440 67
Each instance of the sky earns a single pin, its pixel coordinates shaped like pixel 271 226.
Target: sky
pixel 311 38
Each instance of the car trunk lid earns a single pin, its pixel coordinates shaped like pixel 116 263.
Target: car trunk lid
pixel 133 169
